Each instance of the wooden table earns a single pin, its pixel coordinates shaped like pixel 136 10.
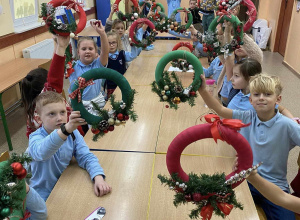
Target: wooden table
pixel 11 74
pixel 132 156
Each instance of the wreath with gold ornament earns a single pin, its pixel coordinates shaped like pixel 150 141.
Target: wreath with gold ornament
pixel 175 26
pixel 158 15
pixel 179 63
pixel 106 120
pixel 211 194
pixel 213 46
pixel 146 41
pixel 128 16
pixel 13 188
pixel 168 86
pixel 56 26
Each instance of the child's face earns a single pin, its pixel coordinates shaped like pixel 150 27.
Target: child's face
pixel 53 115
pixel 112 43
pixel 264 103
pixel 237 79
pixel 241 52
pixel 87 52
pixel 193 4
pixel 120 29
pixel 236 10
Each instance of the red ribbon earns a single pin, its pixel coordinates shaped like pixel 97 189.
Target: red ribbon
pixel 217 124
pixel 185 12
pixel 75 4
pixel 26 215
pixel 222 14
pixel 225 207
pixel 198 197
pixel 206 212
pixel 81 85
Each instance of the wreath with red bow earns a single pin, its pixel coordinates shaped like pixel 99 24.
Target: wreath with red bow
pixel 56 26
pixel 158 15
pixel 211 194
pixel 179 63
pixel 128 16
pixel 106 120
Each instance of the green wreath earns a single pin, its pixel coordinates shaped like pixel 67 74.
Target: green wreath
pixel 213 47
pixel 128 16
pixel 167 85
pixel 121 111
pixel 174 25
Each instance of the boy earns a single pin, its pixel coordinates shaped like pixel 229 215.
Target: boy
pixel 270 134
pixel 196 16
pixel 54 144
pixel 207 9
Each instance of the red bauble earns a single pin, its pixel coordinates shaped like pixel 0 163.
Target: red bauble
pixel 49 23
pixel 220 7
pixel 111 128
pixel 197 197
pixel 205 49
pixel 22 175
pixel 95 131
pixel 167 106
pixel 17 168
pixel 105 131
pixel 192 93
pixel 188 198
pixel 126 117
pixel 120 116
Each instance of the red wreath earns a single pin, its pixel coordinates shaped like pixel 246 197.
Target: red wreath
pixel 183 44
pixel 79 10
pixel 225 130
pixel 251 13
pixel 135 4
pixel 133 27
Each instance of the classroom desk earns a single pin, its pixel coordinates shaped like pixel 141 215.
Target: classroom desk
pixel 12 73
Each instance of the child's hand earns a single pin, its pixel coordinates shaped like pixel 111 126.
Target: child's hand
pixel 203 84
pixel 75 120
pixel 193 29
pixel 97 25
pixel 114 8
pixel 101 188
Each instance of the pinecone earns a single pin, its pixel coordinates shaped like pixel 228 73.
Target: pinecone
pixel 103 125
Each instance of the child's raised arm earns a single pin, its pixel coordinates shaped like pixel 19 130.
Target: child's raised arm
pixel 108 24
pixel 104 42
pixel 212 102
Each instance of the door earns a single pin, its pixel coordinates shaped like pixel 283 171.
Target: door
pixel 284 25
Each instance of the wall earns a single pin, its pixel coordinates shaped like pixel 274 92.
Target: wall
pixel 292 52
pixel 6 24
pixel 269 10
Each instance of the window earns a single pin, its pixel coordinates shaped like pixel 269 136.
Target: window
pixel 24 12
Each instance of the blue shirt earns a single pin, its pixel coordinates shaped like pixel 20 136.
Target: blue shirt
pixel 214 69
pixel 92 91
pixel 129 56
pixel 226 87
pixel 172 6
pixel 36 205
pixel 51 155
pixel 240 102
pixel 271 142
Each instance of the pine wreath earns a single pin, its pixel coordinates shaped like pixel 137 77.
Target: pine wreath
pixel 175 26
pixel 179 63
pixel 57 26
pixel 12 187
pixel 158 15
pixel 128 16
pixel 105 120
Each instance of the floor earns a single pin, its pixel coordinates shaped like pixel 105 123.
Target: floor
pixel 272 65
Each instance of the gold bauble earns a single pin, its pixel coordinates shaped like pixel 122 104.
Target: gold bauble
pixel 176 100
pixel 175 28
pixel 175 23
pixel 172 26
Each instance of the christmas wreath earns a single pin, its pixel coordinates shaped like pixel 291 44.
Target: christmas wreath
pixel 168 86
pixel 209 193
pixel 69 62
pixel 231 4
pixel 179 63
pixel 128 16
pixel 13 188
pixel 121 111
pixel 57 26
pixel 158 15
pixel 212 45
pixel 174 25
pixel 148 40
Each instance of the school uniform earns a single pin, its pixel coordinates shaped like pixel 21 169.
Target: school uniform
pixel 35 205
pixel 214 69
pixel 172 6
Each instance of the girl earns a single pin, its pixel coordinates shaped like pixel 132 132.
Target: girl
pixel 38 81
pixel 88 59
pixel 118 57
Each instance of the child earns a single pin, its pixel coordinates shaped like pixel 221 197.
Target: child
pixel 274 193
pixel 272 136
pixel 87 53
pixel 38 81
pixel 207 9
pixel 54 144
pixel 118 57
pixel 197 22
pixel 172 6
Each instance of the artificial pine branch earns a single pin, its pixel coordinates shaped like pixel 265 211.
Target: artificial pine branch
pixel 102 112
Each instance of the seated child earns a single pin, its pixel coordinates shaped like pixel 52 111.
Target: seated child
pixel 270 134
pixel 54 144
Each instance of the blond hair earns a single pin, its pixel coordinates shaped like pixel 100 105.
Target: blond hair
pixel 117 21
pixel 263 83
pixel 81 39
pixel 46 98
pixel 113 33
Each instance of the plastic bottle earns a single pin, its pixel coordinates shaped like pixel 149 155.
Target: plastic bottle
pixel 210 87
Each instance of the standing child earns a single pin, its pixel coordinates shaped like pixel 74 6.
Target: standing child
pixel 118 57
pixel 270 135
pixel 172 6
pixel 207 9
pixel 197 22
pixel 88 59
pixel 53 145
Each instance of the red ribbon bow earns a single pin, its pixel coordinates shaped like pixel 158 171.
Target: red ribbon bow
pixel 206 211
pixel 185 12
pixel 217 124
pixel 75 4
pixel 225 207
pixel 222 14
pixel 81 85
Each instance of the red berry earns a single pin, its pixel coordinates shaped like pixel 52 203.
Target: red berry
pixel 167 106
pixel 22 175
pixel 192 93
pixel 111 128
pixel 126 117
pixel 17 168
pixel 105 131
pixel 120 116
pixel 95 131
pixel 220 7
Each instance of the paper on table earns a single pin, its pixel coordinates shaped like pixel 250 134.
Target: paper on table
pixel 176 69
pixel 97 214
